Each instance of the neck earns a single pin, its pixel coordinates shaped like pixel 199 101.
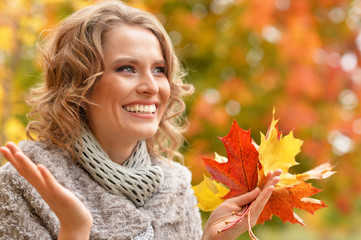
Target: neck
pixel 117 149
pixel 118 153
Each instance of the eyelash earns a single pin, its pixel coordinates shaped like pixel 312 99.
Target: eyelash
pixel 161 69
pixel 125 67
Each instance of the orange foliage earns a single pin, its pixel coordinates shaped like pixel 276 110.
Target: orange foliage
pixel 301 73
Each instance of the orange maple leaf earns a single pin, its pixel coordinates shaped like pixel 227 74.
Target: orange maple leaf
pixel 284 199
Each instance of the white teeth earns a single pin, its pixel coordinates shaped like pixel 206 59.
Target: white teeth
pixel 141 108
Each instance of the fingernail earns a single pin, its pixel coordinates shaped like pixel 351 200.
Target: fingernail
pixel 277 179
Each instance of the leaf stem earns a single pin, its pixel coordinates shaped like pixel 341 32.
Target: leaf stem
pixel 250 232
pixel 245 211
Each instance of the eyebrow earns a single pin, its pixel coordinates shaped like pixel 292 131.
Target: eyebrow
pixel 135 61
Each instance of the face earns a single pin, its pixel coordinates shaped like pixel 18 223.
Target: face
pixel 133 92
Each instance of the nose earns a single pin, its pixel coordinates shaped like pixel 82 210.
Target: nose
pixel 148 85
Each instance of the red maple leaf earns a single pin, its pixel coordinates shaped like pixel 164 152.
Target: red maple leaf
pixel 240 172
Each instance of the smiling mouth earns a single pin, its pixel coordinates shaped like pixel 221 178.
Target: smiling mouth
pixel 143 109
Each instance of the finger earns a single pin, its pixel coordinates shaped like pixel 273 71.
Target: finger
pixel 9 156
pixel 274 178
pixel 278 172
pixel 12 147
pixel 246 198
pixel 49 178
pixel 269 175
pixel 56 191
pixel 18 153
pixel 25 166
pixel 272 174
pixel 49 189
pixel 264 196
pixel 272 182
pixel 260 203
pixel 15 150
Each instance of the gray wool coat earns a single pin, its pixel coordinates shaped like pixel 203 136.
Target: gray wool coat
pixel 24 214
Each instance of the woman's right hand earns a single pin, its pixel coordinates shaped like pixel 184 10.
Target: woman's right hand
pixel 225 211
pixel 75 219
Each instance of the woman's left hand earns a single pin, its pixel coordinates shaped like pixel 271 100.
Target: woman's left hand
pixel 223 213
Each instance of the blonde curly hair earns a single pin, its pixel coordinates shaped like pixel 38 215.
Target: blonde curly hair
pixel 73 63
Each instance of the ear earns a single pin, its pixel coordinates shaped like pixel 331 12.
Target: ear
pixel 82 112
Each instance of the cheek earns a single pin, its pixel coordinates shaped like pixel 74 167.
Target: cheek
pixel 165 91
pixel 98 92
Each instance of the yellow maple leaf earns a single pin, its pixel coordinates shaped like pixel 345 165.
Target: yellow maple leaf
pixel 209 194
pixel 278 152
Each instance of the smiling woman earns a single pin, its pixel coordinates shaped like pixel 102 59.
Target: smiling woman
pixel 133 77
pixel 106 116
pixel 86 48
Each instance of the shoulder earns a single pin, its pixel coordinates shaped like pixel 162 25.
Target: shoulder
pixel 173 208
pixel 8 176
pixel 40 152
pixel 174 170
pixel 57 160
pixel 177 178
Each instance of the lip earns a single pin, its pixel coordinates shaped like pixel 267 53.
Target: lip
pixel 142 115
pixel 143 102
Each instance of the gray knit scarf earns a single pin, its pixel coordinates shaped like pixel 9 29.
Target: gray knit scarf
pixel 137 179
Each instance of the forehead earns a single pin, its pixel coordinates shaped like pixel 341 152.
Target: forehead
pixel 131 39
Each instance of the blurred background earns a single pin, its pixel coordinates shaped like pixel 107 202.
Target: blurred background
pixel 244 57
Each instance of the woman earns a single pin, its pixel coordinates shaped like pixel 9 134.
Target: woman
pixel 107 117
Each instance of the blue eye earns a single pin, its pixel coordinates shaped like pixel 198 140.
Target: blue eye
pixel 125 68
pixel 159 70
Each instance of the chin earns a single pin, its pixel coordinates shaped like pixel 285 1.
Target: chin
pixel 147 133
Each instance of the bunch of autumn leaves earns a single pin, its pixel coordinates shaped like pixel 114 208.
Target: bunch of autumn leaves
pixel 245 167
